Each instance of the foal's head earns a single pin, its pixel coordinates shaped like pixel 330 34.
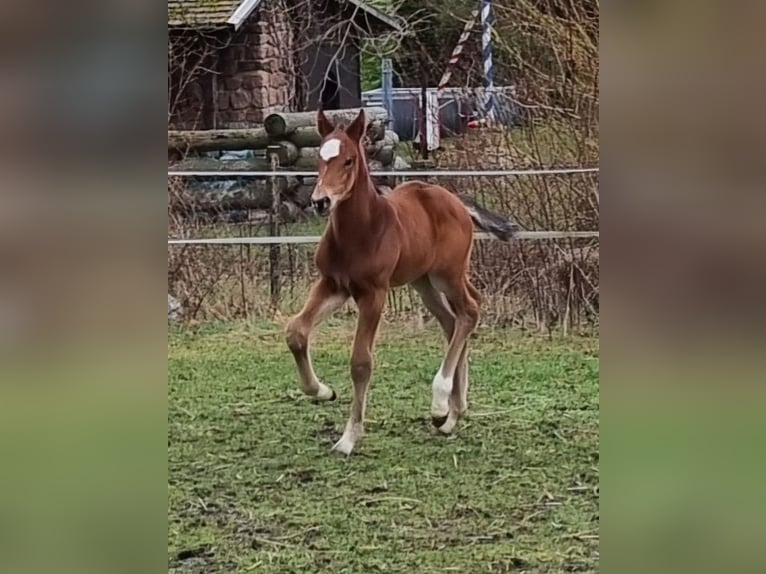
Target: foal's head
pixel 340 156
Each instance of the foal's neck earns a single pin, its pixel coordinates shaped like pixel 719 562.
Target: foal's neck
pixel 357 212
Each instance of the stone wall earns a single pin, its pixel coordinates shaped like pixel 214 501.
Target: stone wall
pixel 257 70
pixel 256 76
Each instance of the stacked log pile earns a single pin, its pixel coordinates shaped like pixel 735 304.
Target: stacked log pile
pixel 292 137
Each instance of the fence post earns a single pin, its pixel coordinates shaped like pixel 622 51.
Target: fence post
pixel 387 85
pixel 274 271
pixel 423 104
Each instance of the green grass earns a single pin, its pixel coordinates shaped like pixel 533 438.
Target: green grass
pixel 253 485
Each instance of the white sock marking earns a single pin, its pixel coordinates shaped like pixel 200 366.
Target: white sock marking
pixel 330 149
pixel 345 445
pixel 324 393
pixel 347 442
pixel 442 388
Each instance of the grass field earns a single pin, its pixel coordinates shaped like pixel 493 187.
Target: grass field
pixel 253 486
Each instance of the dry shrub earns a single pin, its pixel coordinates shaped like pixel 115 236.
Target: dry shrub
pixel 538 284
pixel 230 281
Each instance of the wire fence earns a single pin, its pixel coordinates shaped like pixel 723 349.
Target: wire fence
pixel 226 267
pixel 309 239
pixel 395 173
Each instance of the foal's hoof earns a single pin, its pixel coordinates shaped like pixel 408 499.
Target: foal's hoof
pixel 438 422
pixel 445 425
pixel 324 394
pixel 344 446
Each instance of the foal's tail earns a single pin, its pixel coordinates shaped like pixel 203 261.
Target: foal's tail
pixel 485 220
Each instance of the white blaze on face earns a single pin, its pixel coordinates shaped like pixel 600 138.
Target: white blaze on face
pixel 330 149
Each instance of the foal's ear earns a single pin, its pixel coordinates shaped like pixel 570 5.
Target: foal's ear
pixel 356 130
pixel 324 126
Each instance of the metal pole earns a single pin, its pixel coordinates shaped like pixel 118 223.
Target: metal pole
pixel 387 85
pixel 423 104
pixel 274 271
pixel 487 19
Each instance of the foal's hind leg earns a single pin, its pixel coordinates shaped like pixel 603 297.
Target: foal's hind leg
pixel 436 303
pixel 324 298
pixel 466 310
pixel 460 389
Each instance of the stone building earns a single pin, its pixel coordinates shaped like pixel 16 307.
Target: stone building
pixel 233 62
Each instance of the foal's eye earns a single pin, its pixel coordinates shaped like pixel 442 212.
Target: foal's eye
pixel 348 162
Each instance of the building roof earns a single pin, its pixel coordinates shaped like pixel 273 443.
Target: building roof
pixel 201 12
pixel 212 13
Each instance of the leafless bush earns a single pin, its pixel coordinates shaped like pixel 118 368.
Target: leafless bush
pixel 541 284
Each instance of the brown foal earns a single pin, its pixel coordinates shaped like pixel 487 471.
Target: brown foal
pixel 419 234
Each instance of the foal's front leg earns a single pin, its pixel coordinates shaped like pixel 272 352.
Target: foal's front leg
pixel 323 299
pixel 370 309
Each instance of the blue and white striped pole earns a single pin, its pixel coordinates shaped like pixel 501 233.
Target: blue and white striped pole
pixel 487 20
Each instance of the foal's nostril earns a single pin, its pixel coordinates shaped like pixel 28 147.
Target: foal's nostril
pixel 322 206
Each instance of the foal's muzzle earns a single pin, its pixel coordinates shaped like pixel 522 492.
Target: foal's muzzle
pixel 322 206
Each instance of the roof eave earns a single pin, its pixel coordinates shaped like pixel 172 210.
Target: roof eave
pixel 392 23
pixel 215 26
pixel 242 13
pixel 378 19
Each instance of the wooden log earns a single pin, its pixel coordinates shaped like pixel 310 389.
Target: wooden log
pixel 286 151
pixel 208 202
pixel 302 195
pixel 376 130
pixel 289 212
pixel 214 140
pixel 304 163
pixel 307 160
pixel 390 140
pixel 384 155
pixel 254 194
pixel 373 148
pixel 180 142
pixel 391 137
pixel 377 150
pixel 309 136
pixel 308 153
pixel 211 164
pixel 280 124
pixel 306 137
